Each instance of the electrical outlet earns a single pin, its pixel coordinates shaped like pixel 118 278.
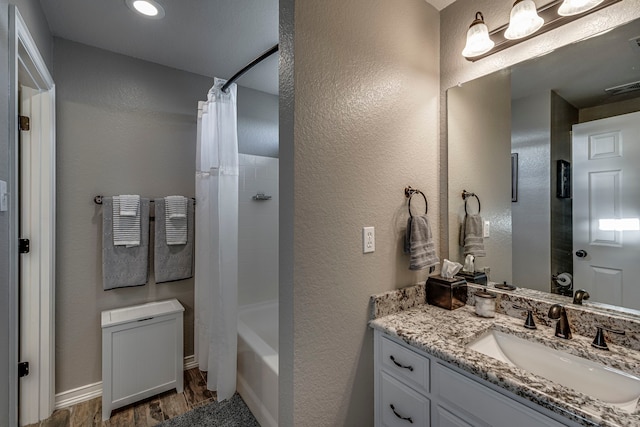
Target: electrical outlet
pixel 368 239
pixel 486 230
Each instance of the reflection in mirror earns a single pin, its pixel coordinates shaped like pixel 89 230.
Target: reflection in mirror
pixel 573 119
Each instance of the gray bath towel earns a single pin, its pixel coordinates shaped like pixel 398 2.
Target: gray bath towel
pixel 471 236
pixel 419 243
pixel 172 262
pixel 124 266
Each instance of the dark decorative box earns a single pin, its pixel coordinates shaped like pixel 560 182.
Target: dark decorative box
pixel 476 277
pixel 446 293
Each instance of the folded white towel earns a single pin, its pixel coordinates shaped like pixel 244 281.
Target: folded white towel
pixel 129 204
pixel 126 229
pixel 176 206
pixel 176 220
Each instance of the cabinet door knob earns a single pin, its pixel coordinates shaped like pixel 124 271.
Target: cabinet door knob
pixel 400 416
pixel 581 253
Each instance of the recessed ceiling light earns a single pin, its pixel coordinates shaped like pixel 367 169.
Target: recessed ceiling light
pixel 147 8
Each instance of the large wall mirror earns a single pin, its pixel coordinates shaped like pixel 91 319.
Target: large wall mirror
pixel 551 148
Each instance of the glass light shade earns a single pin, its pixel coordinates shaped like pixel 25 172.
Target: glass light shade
pixel 575 7
pixel 478 41
pixel 524 20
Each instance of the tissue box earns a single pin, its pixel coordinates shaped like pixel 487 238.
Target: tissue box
pixel 447 293
pixel 476 277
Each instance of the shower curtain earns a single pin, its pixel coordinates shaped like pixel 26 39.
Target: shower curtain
pixel 216 260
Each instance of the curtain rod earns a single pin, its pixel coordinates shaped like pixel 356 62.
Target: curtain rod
pixel 252 64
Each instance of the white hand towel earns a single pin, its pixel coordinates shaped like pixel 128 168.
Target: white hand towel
pixel 176 220
pixel 176 206
pixel 126 229
pixel 129 204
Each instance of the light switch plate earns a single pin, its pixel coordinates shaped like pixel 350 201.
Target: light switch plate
pixel 3 196
pixel 486 229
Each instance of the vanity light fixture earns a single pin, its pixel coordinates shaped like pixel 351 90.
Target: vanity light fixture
pixel 524 20
pixel 576 7
pixel 147 8
pixel 478 40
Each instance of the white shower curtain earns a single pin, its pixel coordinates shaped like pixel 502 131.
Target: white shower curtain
pixel 216 260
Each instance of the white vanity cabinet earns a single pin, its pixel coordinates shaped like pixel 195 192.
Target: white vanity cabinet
pixel 418 390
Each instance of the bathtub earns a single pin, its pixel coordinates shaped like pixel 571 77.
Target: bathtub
pixel 258 360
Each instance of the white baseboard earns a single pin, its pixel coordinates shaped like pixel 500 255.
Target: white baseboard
pixel 77 395
pixel 190 362
pixel 91 391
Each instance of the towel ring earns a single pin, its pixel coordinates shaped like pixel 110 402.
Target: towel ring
pixel 465 196
pixel 409 193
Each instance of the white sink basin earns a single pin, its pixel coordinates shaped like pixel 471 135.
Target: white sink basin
pixel 593 379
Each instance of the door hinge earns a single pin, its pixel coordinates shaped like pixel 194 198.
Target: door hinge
pixel 23 122
pixel 23 246
pixel 23 369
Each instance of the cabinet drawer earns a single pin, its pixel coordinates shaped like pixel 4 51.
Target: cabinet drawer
pixel 400 406
pixel 405 364
pixel 445 418
pixel 492 408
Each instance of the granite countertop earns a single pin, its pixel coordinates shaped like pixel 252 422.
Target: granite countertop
pixel 445 334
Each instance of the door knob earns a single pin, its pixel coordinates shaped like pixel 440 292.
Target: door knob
pixel 581 253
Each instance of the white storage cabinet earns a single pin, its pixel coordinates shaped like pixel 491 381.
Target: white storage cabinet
pixel 142 353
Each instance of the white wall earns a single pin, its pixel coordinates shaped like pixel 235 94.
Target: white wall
pixel 257 230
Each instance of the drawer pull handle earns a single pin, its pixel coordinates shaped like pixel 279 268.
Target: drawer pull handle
pixel 400 416
pixel 409 367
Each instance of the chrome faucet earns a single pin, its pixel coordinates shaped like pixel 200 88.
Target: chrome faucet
pixel 580 295
pixel 557 312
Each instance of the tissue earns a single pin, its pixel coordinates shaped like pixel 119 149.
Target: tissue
pixel 468 264
pixel 450 268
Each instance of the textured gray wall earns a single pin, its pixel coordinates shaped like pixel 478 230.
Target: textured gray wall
pixel 531 139
pixel 480 162
pixel 124 126
pixel 563 117
pixel 32 14
pixel 364 108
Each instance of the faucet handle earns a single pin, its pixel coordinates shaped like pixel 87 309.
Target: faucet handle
pixel 529 323
pixel 599 341
pixel 579 296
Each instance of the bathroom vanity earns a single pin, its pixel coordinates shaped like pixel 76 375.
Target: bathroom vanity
pixel 429 371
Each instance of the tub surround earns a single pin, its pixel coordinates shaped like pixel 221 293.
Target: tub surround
pixel 445 334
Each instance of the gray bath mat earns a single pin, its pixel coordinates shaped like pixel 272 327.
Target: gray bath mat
pixel 229 413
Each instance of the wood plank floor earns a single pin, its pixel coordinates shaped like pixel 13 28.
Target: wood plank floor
pixel 146 413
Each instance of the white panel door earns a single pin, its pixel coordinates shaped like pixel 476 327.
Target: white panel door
pixel 606 208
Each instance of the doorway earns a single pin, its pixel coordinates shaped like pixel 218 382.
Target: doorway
pixel 606 209
pixel 32 218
